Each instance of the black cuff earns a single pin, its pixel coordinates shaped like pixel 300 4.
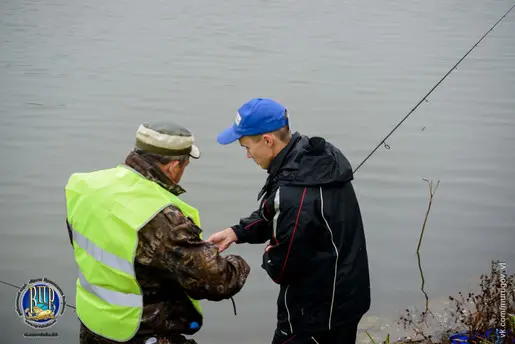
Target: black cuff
pixel 241 234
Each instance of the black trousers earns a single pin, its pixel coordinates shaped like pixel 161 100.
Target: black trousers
pixel 343 334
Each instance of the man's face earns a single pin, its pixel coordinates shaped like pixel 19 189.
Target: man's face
pixel 259 149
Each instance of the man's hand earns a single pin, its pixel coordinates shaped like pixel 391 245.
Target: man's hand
pixel 223 239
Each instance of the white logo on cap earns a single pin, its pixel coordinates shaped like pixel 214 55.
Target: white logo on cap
pixel 237 120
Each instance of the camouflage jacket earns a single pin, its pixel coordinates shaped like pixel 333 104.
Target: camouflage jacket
pixel 172 260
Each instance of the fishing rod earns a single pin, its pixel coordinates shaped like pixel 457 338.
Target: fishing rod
pixel 431 91
pixel 391 132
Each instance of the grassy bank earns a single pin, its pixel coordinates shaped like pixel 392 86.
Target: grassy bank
pixel 487 316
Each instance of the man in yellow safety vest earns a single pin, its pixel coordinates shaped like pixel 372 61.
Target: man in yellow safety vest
pixel 142 263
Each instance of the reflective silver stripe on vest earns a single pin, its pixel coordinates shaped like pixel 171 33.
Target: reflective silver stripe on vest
pixel 102 255
pixel 110 296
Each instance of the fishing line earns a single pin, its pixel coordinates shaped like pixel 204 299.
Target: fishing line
pixel 431 91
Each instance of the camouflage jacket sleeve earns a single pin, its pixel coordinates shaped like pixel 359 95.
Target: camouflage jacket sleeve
pixel 172 242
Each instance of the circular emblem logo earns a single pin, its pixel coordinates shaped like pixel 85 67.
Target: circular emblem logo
pixel 40 302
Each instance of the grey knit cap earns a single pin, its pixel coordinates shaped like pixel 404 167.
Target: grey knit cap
pixel 166 138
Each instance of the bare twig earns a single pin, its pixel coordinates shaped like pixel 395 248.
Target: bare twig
pixel 431 195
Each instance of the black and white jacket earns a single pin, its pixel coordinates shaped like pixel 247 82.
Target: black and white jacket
pixel 317 252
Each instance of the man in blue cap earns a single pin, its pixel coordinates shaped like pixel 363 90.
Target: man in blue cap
pixel 310 217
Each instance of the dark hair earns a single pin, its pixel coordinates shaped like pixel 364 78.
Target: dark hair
pixel 162 159
pixel 283 134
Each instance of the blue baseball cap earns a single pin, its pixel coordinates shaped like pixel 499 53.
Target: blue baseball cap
pixel 257 116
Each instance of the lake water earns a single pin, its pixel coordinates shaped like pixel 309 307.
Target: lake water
pixel 77 78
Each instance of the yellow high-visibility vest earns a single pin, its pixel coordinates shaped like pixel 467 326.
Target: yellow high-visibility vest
pixel 105 210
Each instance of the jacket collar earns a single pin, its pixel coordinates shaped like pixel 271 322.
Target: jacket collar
pixel 279 160
pixel 151 171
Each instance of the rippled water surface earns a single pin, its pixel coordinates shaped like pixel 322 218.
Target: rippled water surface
pixel 77 78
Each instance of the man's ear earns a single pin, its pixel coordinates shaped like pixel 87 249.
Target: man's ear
pixel 171 166
pixel 269 139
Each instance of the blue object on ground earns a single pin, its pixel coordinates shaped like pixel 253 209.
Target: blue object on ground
pixel 462 337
